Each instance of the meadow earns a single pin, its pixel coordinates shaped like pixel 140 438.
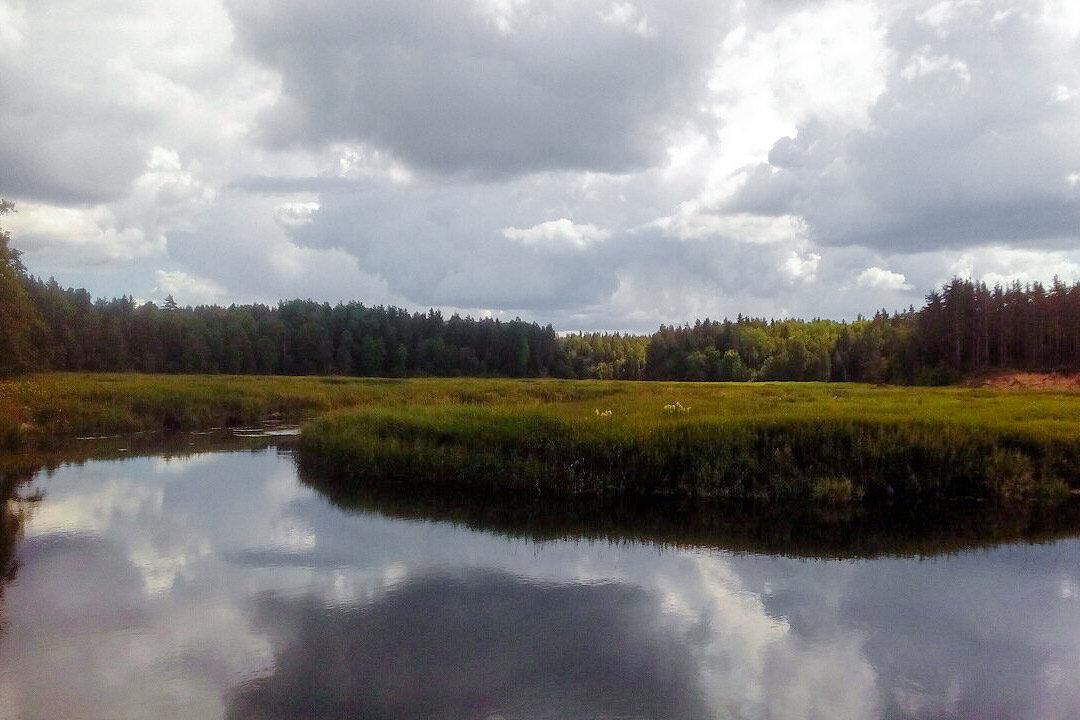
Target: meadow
pixel 764 441
pixel 50 408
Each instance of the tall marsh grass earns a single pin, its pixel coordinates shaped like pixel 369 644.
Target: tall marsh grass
pixel 767 442
pixel 835 442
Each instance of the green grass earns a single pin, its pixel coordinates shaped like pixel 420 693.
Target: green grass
pixel 837 443
pixel 834 464
pixel 52 406
pixel 768 441
pixel 57 405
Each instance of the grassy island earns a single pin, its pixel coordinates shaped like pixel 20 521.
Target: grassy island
pixel 765 441
pixel 50 408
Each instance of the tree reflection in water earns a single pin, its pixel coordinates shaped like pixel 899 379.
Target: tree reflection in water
pixel 14 506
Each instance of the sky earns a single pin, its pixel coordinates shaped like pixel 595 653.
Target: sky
pixel 599 165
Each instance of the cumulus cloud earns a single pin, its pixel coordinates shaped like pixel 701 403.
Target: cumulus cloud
pixel 556 234
pixel 965 147
pixel 1003 266
pixel 295 214
pixel 801 267
pixel 186 289
pixel 875 277
pixel 67 237
pixel 607 163
pixel 923 63
pixel 87 91
pixel 514 89
pixel 629 16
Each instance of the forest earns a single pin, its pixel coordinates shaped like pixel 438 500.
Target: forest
pixel 965 328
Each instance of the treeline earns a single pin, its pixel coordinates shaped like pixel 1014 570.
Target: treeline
pixel 874 350
pixel 965 328
pixel 44 326
pixel 298 337
pixel 969 326
pixel 606 356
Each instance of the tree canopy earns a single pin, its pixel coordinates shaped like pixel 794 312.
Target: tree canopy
pixel 18 316
pixel 964 328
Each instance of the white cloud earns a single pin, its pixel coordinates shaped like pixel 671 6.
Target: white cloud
pixel 186 289
pixel 295 214
pixel 1001 266
pixel 801 267
pixel 924 63
pixel 12 28
pixel 770 79
pixel 942 15
pixel 69 237
pixel 1061 16
pixel 728 158
pixel 628 15
pixel 963 266
pixel 875 277
pixel 503 15
pixel 691 221
pixel 557 234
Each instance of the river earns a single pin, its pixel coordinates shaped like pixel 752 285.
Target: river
pixel 218 584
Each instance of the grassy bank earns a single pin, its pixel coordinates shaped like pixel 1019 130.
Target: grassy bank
pixel 834 442
pixel 47 408
pixel 53 406
pixel 760 441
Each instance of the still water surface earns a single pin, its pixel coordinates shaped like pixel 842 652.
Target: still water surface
pixel 218 585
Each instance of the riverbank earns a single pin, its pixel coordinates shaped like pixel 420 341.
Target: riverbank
pixel 839 443
pixel 46 408
pixel 763 441
pixel 49 408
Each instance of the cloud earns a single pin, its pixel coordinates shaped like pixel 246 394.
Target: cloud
pixel 87 92
pixel 295 214
pixel 556 234
pixel 491 90
pixel 185 289
pixel 801 267
pixel 604 163
pixel 629 16
pixel 875 277
pixel 922 63
pixel 965 147
pixel 67 237
pixel 1003 266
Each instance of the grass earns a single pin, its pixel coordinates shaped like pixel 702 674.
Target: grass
pixel 814 441
pixel 843 469
pixel 837 443
pixel 50 407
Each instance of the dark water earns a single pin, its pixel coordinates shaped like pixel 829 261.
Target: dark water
pixel 218 585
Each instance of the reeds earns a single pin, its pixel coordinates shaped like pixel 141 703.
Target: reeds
pixel 771 442
pixel 835 442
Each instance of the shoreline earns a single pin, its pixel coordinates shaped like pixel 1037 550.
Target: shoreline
pixel 839 443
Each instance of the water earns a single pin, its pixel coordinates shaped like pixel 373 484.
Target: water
pixel 218 585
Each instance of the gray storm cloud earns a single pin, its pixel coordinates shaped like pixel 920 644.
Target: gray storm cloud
pixel 487 89
pixel 974 141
